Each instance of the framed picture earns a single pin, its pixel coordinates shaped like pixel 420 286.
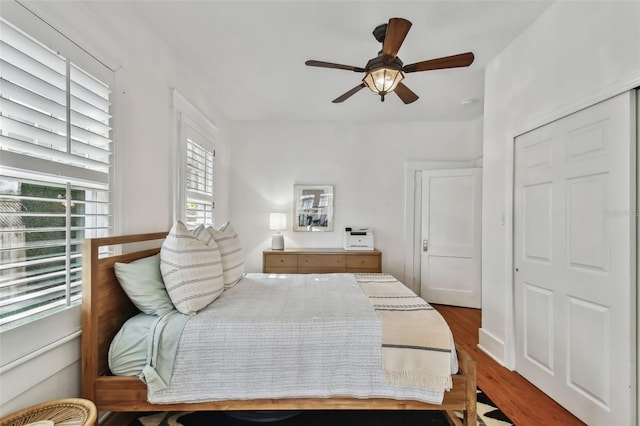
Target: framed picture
pixel 313 208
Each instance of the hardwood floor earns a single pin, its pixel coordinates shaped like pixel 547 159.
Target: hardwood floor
pixel 521 401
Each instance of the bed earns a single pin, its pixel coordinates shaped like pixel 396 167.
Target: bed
pixel 106 307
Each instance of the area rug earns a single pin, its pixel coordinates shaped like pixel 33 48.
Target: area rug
pixel 488 415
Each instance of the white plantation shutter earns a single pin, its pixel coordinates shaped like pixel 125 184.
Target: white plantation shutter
pixel 55 161
pixel 195 188
pixel 52 110
pixel 199 179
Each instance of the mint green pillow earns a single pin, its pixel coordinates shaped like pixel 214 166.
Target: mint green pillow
pixel 142 281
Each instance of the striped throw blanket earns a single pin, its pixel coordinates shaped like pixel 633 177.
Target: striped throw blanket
pixel 416 340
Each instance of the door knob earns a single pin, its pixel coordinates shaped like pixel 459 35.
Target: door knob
pixel 425 245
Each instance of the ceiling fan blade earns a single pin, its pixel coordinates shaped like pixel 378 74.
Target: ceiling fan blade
pixel 348 94
pixel 405 94
pixel 321 64
pixel 397 30
pixel 454 61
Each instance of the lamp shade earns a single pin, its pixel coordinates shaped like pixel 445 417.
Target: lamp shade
pixel 383 80
pixel 277 221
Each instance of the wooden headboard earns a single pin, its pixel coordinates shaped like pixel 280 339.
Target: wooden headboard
pixel 105 306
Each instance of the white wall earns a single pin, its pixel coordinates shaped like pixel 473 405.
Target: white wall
pixel 144 149
pixel 364 162
pixel 477 131
pixel 147 156
pixel 573 53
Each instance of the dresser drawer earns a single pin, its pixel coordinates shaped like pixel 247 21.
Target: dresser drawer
pixel 280 270
pixel 367 263
pixel 281 261
pixel 320 261
pixel 309 263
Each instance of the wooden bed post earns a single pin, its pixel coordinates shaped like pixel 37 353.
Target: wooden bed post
pixel 469 369
pixel 470 413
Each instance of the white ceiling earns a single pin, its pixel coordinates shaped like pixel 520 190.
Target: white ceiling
pixel 253 53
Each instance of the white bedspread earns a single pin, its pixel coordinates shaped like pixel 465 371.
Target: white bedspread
pixel 313 335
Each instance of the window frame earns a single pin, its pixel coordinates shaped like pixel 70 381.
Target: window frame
pixel 50 332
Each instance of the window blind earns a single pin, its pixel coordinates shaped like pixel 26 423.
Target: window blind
pixel 55 161
pixel 199 178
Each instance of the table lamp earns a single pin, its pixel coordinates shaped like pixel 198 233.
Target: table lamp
pixel 277 222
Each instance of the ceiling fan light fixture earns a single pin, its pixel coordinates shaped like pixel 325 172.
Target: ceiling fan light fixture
pixel 384 73
pixel 383 80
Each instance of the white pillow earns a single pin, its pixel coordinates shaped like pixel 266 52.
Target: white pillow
pixel 191 270
pixel 203 235
pixel 231 253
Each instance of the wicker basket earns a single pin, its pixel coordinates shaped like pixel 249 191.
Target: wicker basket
pixel 63 412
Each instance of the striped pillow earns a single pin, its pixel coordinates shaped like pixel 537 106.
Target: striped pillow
pixel 191 270
pixel 231 253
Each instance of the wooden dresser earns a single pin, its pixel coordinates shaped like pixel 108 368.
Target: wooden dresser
pixel 320 260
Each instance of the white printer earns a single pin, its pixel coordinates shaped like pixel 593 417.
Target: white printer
pixel 358 238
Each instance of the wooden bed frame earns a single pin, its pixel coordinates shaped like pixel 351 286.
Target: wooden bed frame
pixel 105 307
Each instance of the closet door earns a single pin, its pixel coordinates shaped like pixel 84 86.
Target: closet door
pixel 574 239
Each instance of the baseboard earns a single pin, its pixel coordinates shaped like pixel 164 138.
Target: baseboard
pixel 492 346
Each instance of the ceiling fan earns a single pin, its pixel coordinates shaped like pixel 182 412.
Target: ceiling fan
pixel 385 72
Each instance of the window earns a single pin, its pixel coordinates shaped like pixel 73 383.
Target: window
pixel 55 162
pixel 199 179
pixel 196 168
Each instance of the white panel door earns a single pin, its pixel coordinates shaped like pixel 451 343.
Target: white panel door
pixel 574 227
pixel 451 229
